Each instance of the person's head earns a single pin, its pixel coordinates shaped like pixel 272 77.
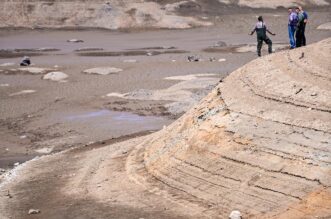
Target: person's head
pixel 260 18
pixel 297 10
pixel 290 10
pixel 300 8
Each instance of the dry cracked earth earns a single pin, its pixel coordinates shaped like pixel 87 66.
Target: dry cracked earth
pixel 258 143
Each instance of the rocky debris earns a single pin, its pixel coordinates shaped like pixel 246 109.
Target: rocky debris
pixel 193 58
pixel 22 92
pixel 220 44
pixel 55 76
pixel 75 41
pixel 212 59
pixel 235 215
pixel 34 211
pixel 7 64
pixel 222 60
pixel 25 61
pixel 326 26
pixel 103 70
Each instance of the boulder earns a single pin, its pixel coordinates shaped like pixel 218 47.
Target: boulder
pixel 55 76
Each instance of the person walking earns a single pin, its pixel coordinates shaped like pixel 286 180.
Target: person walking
pixel 261 33
pixel 305 21
pixel 292 26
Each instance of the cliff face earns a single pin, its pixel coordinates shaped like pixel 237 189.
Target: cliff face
pixel 114 14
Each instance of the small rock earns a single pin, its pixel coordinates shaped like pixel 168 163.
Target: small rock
pixel 34 211
pixel 23 136
pixel 193 59
pixel 313 94
pixel 212 59
pixel 16 164
pixel 55 76
pixel 220 44
pixel 4 85
pixel 221 60
pixel 25 61
pixel 75 41
pixel 235 215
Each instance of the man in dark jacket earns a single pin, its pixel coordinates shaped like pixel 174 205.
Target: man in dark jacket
pixel 305 20
pixel 261 33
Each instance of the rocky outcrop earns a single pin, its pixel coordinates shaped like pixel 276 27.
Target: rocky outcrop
pixel 260 142
pixel 91 14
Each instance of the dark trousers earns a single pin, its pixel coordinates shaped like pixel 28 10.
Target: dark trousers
pixel 300 36
pixel 260 40
pixel 303 35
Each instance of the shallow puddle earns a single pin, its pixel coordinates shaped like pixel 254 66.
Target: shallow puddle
pixel 114 122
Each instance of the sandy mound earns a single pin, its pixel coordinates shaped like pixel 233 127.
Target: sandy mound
pixel 259 143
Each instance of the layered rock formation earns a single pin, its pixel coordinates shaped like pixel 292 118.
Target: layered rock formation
pixel 259 143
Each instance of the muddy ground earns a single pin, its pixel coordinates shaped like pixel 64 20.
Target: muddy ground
pixel 50 116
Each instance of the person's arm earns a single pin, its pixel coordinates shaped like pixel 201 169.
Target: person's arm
pixel 253 31
pixel 271 32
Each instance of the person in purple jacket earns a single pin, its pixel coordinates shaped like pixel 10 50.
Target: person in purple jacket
pixel 292 26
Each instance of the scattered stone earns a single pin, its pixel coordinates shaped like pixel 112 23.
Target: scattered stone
pixel 16 164
pixel 302 55
pixel 23 137
pixel 212 59
pixel 75 41
pixel 7 64
pixel 298 91
pixel 25 61
pixel 173 60
pixel 220 44
pixel 34 211
pixel 22 92
pixel 4 85
pixel 8 194
pixel 235 215
pixel 55 76
pixel 193 59
pixel 2 170
pixel 313 94
pixel 221 60
pixel 103 70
